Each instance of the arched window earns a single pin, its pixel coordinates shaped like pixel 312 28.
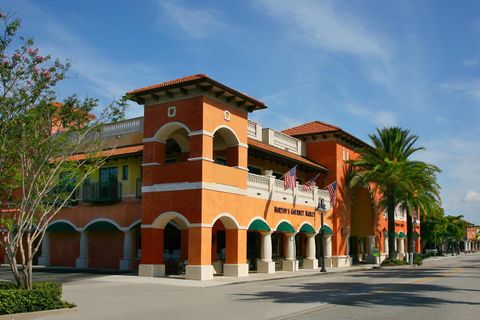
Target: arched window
pixel 225 147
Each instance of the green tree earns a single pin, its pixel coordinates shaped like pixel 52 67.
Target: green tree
pixel 422 196
pixel 38 139
pixel 385 165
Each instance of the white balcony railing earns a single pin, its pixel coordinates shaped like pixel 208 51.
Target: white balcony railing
pixel 254 130
pixel 267 187
pixel 123 127
pixel 282 141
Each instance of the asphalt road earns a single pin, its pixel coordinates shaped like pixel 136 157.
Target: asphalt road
pixel 444 288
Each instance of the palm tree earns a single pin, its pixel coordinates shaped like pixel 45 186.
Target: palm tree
pixel 386 166
pixel 422 195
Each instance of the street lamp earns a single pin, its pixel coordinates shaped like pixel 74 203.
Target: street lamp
pixel 322 207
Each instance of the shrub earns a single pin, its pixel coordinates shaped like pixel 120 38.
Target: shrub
pixel 43 296
pixel 417 259
pixel 389 263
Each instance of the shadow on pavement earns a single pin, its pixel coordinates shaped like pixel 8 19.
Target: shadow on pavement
pixel 360 294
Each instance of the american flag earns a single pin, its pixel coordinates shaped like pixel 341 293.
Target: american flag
pixel 332 188
pixel 308 186
pixel 290 179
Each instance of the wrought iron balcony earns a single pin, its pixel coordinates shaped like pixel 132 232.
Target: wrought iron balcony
pixel 105 192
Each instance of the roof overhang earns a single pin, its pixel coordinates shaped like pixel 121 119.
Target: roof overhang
pixel 204 84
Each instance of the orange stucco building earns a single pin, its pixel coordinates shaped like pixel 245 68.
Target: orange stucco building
pixel 194 186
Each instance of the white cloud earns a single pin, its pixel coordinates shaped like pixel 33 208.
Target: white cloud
pixel 471 89
pixel 323 25
pixel 472 196
pixel 458 160
pixel 195 22
pixel 378 118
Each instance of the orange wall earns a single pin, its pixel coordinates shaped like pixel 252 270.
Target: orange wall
pixel 124 213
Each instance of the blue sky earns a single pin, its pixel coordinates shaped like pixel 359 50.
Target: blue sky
pixel 356 64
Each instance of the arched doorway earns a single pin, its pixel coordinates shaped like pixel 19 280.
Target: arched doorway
pixel 61 245
pixel 306 248
pixel 259 247
pixel 228 250
pixel 284 247
pixel 105 244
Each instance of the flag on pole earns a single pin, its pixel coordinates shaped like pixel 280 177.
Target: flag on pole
pixel 332 190
pixel 290 179
pixel 308 186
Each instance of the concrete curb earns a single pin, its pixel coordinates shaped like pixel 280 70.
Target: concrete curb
pixel 37 314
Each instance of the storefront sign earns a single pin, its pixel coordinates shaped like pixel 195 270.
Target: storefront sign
pixel 295 212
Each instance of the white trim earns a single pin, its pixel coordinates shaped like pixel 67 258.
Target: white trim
pixel 241 168
pixel 134 224
pixel 150 164
pixel 243 145
pixel 200 132
pixel 178 186
pixel 63 221
pixel 200 158
pixel 147 226
pixel 164 218
pixel 226 215
pixel 175 124
pixel 152 139
pixel 201 225
pixel 229 129
pixel 102 220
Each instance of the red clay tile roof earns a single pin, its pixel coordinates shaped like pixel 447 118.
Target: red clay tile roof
pixel 111 152
pixel 195 79
pixel 285 154
pixel 170 82
pixel 311 128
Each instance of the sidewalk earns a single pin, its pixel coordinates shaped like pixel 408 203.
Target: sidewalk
pixel 222 280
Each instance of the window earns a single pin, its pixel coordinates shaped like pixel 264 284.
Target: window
pixel 108 175
pixel 125 172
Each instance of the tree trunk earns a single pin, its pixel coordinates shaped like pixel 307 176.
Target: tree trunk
pixel 12 261
pixel 410 245
pixel 392 253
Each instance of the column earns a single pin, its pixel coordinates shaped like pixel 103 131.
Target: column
pixel 126 263
pixel 152 253
pixel 199 254
pixel 236 253
pixel 265 263
pixel 290 263
pixel 401 248
pixel 327 246
pixel 385 246
pixel 82 260
pixel 371 245
pixel 44 259
pixel 310 261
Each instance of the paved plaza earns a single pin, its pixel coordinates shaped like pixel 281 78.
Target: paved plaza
pixel 443 288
